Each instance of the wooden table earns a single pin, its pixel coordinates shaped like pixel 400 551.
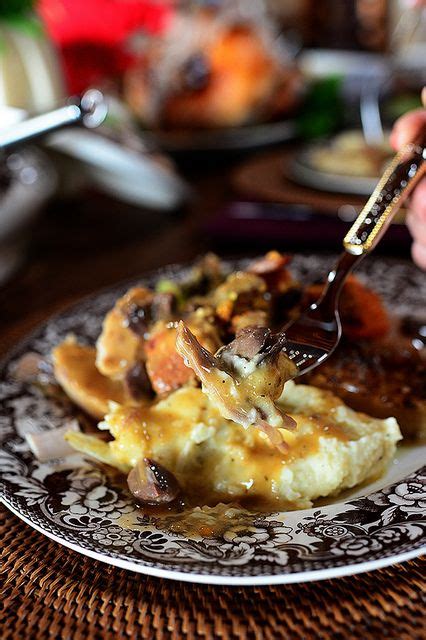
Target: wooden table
pixel 51 592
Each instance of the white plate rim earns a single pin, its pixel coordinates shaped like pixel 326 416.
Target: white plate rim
pixel 289 578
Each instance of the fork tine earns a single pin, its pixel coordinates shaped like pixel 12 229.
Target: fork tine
pixel 304 356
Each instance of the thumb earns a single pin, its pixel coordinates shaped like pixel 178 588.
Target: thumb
pixel 409 126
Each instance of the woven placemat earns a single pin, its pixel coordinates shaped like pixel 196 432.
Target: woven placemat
pixel 51 592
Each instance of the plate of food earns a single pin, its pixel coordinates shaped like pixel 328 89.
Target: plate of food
pixel 345 164
pixel 111 446
pixel 219 78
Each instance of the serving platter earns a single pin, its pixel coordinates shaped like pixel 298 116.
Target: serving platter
pixel 78 503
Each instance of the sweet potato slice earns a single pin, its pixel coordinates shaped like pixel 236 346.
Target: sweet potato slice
pixel 362 311
pixel 166 369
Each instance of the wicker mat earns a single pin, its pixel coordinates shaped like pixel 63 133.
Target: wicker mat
pixel 51 592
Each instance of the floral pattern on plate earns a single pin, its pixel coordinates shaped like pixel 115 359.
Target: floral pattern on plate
pixel 77 502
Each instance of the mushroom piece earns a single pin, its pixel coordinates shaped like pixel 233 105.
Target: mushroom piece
pixel 241 291
pixel 244 378
pixel 152 483
pixel 126 328
pixel 136 382
pixel 272 268
pixel 248 343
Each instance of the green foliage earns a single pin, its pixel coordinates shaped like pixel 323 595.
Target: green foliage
pixel 323 110
pixel 11 8
pixel 18 14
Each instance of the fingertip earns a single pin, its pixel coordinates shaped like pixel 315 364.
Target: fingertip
pixel 418 252
pixel 418 202
pixel 393 138
pixel 407 128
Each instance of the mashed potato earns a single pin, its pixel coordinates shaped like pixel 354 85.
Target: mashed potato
pixel 333 448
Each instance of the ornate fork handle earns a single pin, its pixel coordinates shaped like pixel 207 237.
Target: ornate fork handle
pixel 315 334
pixel 400 177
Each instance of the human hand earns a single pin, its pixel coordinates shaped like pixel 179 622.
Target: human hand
pixel 406 129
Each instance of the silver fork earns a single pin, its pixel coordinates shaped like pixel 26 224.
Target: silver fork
pixel 313 336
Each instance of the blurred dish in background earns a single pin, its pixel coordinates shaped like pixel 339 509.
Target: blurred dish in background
pixel 119 165
pixel 141 179
pixel 216 67
pixel 27 181
pixel 117 161
pixel 243 138
pixel 344 163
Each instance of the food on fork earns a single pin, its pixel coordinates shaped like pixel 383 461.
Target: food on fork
pixel 244 378
pixel 233 426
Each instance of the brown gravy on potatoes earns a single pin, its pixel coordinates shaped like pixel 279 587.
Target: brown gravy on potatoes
pixel 76 364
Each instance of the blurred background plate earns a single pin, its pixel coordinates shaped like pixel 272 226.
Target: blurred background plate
pixel 247 137
pixel 301 170
pixel 137 178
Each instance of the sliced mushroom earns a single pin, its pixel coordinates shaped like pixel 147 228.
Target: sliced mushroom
pixel 33 367
pixel 163 306
pixel 272 268
pixel 137 318
pixel 152 483
pixel 140 314
pixel 249 342
pixel 137 383
pixel 285 292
